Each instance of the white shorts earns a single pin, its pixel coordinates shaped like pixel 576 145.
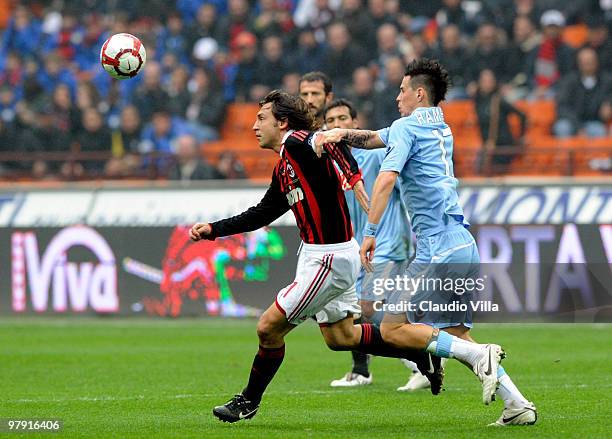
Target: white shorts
pixel 324 284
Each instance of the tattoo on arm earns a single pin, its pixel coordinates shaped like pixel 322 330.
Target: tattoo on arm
pixel 358 138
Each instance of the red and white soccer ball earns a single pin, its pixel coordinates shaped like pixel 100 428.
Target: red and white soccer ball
pixel 123 56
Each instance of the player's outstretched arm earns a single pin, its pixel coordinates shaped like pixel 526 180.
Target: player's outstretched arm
pixel 362 139
pixel 271 206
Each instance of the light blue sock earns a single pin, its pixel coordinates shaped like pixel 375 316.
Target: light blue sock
pixel 500 372
pixel 441 345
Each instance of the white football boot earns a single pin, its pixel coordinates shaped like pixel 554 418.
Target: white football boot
pixel 486 370
pixel 417 381
pixel 520 414
pixel 352 380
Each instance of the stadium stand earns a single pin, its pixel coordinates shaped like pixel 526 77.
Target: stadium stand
pixel 194 64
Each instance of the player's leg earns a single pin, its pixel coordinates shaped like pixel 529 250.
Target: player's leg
pixel 359 375
pixel 341 335
pixel 271 331
pixel 517 409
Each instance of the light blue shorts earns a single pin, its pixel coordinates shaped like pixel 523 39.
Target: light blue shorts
pixel 441 281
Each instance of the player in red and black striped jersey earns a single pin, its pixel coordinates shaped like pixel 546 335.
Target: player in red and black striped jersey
pixel 311 188
pixel 307 185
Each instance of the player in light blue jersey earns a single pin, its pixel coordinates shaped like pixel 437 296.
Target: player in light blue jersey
pixel 393 240
pixel 419 152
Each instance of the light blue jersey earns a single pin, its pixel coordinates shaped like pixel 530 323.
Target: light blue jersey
pixel 394 230
pixel 420 149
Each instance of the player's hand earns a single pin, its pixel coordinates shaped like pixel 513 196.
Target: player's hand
pixel 362 196
pixel 334 135
pixel 199 231
pixel 367 253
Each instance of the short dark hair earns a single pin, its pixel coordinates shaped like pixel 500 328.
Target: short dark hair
pixel 341 103
pixel 291 108
pixel 430 74
pixel 318 76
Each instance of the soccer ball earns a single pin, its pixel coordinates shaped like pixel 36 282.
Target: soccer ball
pixel 122 56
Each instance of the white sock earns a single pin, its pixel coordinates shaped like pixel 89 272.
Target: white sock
pixel 508 391
pixel 449 346
pixel 410 365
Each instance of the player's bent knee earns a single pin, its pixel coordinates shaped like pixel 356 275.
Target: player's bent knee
pixel 367 309
pixel 267 333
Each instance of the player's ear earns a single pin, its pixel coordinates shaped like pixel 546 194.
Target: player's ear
pixel 329 97
pixel 283 124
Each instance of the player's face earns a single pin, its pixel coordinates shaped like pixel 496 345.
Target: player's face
pixel 339 117
pixel 314 95
pixel 266 127
pixel 408 98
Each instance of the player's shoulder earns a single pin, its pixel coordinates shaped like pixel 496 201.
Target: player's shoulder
pixel 298 137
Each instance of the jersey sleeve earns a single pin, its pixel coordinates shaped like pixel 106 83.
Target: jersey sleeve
pixel 399 146
pixel 341 154
pixel 272 205
pixel 383 133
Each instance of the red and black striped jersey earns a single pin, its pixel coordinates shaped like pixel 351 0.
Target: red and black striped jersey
pixel 309 186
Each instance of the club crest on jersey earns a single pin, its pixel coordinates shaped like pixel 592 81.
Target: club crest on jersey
pixel 294 196
pixel 290 170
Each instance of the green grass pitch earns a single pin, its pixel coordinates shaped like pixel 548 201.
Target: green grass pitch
pixel 160 378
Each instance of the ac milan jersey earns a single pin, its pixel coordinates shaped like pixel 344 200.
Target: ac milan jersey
pixel 309 186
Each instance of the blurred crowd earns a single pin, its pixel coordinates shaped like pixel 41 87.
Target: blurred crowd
pixel 204 54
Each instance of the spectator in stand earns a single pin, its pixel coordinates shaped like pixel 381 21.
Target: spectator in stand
pixel 489 53
pixel 341 56
pixel 492 109
pixel 8 104
pixel 519 8
pixel 454 12
pixel 126 144
pixel 388 46
pixel 359 25
pixel 22 35
pixel 177 91
pixel 189 164
pixel 55 73
pixel 206 109
pixel 172 39
pixel 12 72
pixel 525 40
pixel 273 18
pixel 272 63
pixel 237 21
pixel 94 137
pixel 205 26
pixel 309 54
pixel 584 101
pixel 291 83
pixel 551 59
pixel 67 115
pixel 599 39
pixel 362 93
pixel 317 15
pixel 230 167
pixel 378 14
pixel 456 60
pixel 247 66
pixel 150 93
pixel 385 105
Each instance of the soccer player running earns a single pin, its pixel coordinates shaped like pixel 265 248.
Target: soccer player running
pixel 328 265
pixel 419 151
pixel 393 244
